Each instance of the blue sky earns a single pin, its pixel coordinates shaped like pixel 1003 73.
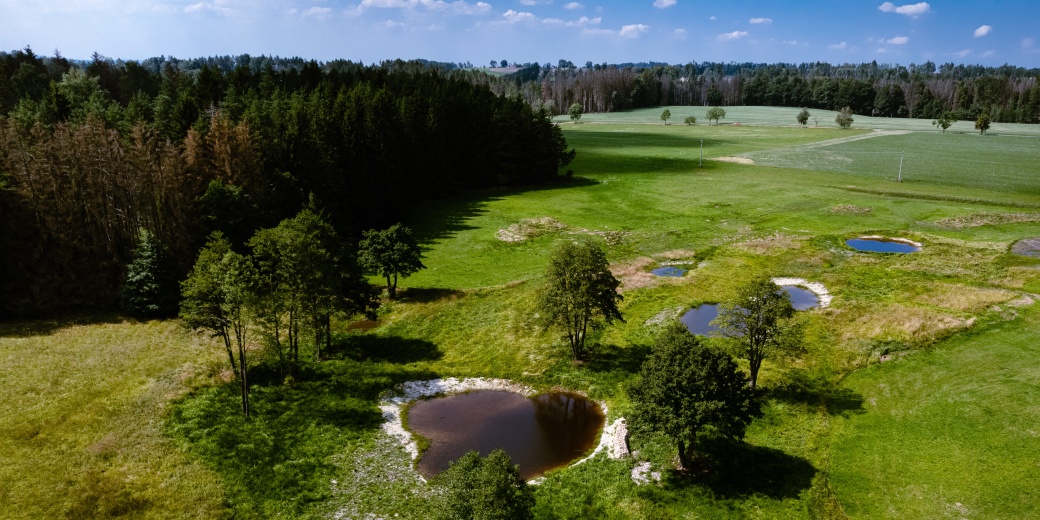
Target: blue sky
pixel 674 31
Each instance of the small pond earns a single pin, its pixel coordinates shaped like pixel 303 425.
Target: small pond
pixel 881 245
pixel 801 299
pixel 669 270
pixel 698 319
pixel 539 433
pixel 1027 247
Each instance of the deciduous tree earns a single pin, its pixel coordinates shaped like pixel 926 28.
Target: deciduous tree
pixel 690 120
pixel 393 253
pixel 666 115
pixel 803 117
pixel 716 113
pixel 982 123
pixel 844 118
pixel 579 293
pixel 759 320
pixel 687 389
pixel 944 121
pixel 483 489
pixel 575 112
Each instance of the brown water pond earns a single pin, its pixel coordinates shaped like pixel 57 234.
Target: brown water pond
pixel 539 433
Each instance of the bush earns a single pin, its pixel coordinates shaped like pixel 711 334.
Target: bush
pixel 690 120
pixel 484 488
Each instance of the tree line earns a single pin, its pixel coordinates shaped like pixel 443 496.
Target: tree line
pixel 94 154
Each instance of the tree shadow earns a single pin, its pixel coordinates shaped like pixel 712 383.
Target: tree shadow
pixel 802 386
pixel 605 358
pixel 428 294
pixel 392 349
pixel 734 469
pixel 13 328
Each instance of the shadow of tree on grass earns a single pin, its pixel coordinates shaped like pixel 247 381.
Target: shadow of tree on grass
pixel 802 386
pixel 391 349
pixel 737 469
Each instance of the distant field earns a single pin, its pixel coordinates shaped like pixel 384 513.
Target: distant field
pixel 784 116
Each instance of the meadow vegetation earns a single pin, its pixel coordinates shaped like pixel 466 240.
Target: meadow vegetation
pixel 911 399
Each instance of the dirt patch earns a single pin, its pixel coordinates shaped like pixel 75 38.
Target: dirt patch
pixel 1027 247
pixel 676 254
pixel 769 244
pixel 850 209
pixel 990 219
pixel 634 274
pixel 735 160
pixel 530 228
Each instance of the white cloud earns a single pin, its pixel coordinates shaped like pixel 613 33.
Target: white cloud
pixel 989 54
pixel 795 43
pixel 320 13
pixel 760 20
pixel 391 24
pixel 592 31
pixel 580 22
pixel 730 36
pixel 982 31
pixel 512 17
pixel 712 18
pixel 633 30
pixel 898 40
pixel 911 10
pixel 963 53
pixel 881 50
pixel 679 34
pixel 574 5
pixel 456 7
pixel 838 46
pixel 664 4
pixel 212 7
pixel 1028 43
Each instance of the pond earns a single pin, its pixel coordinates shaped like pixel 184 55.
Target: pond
pixel 669 270
pixel 698 319
pixel 539 433
pixel 1027 247
pixel 801 299
pixel 881 245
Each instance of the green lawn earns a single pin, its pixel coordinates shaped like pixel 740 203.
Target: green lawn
pixel 122 417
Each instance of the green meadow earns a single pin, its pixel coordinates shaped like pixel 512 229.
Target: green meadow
pixel 916 397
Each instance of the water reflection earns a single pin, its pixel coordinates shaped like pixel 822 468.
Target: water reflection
pixel 539 434
pixel 879 245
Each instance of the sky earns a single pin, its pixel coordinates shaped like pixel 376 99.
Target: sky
pixel 989 33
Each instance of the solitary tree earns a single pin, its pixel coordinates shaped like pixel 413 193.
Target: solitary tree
pixel 844 118
pixel 150 287
pixel 760 321
pixel 483 489
pixel 666 115
pixel 803 117
pixel 579 292
pixel 687 389
pixel 716 113
pixel 982 123
pixel 575 112
pixel 944 121
pixel 690 120
pixel 218 297
pixel 393 253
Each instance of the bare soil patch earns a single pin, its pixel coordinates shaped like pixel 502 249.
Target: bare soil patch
pixel 530 228
pixel 850 209
pixel 736 160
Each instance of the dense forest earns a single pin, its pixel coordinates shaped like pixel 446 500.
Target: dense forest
pixel 1008 94
pixel 94 154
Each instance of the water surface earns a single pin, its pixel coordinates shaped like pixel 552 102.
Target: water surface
pixel 539 433
pixel 878 245
pixel 698 319
pixel 801 299
pixel 669 270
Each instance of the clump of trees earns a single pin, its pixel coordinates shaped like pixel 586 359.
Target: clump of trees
pixel 579 293
pixel 484 488
pixel 844 118
pixel 760 321
pixel 716 113
pixel 687 390
pixel 299 275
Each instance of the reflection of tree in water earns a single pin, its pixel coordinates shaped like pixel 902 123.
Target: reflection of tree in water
pixel 568 423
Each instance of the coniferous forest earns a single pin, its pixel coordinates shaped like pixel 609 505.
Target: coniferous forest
pixel 93 155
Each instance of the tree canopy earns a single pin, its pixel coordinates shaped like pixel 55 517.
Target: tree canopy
pixel 944 121
pixel 982 123
pixel 391 252
pixel 844 118
pixel 579 292
pixel 480 488
pixel 575 112
pixel 716 113
pixel 687 389
pixel 759 320
pixel 150 288
pixel 803 117
pixel 666 115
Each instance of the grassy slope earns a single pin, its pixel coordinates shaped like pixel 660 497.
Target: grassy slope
pixel 471 314
pixel 81 425
pixel 948 433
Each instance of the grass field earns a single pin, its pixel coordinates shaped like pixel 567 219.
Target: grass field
pixel 135 418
